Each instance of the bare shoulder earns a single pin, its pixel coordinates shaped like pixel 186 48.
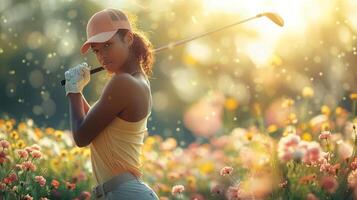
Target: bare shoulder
pixel 122 82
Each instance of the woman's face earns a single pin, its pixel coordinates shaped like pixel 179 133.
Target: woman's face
pixel 113 53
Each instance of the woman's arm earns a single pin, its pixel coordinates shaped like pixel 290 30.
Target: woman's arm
pixel 86 105
pixel 76 111
pixel 85 127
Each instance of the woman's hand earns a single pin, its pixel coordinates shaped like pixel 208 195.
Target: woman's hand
pixel 76 78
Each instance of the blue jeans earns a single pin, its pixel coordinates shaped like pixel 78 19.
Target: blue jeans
pixel 132 190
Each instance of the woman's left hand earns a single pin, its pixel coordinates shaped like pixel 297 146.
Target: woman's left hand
pixel 76 78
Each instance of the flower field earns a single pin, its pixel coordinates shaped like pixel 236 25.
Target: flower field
pixel 293 158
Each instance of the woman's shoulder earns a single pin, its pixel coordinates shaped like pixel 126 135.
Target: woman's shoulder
pixel 124 79
pixel 123 83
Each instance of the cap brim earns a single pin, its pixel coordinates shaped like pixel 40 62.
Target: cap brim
pixel 100 37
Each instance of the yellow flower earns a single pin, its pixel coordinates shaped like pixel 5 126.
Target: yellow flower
pixel 20 144
pixel 272 128
pixel 249 135
pixel 306 136
pixel 9 125
pixel 2 123
pixel 75 151
pixel 49 130
pixel 58 134
pixel 86 152
pixel 14 134
pixel 325 126
pixel 231 104
pixel 21 126
pixel 206 167
pixel 55 163
pixel 353 96
pixel 285 133
pixel 303 126
pixel 191 180
pixel 63 153
pixel 150 140
pixel 325 110
pixel 307 92
pixel 38 132
pixel 189 59
pixel 292 119
pixel 288 103
pixel 338 111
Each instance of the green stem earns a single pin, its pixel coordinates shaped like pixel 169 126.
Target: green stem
pixel 305 109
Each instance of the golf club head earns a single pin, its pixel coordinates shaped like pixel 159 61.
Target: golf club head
pixel 273 17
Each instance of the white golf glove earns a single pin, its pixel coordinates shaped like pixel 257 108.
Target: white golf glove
pixel 76 78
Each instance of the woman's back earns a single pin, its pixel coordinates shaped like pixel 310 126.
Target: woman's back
pixel 117 148
pixel 141 100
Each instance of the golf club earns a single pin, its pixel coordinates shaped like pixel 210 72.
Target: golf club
pixel 274 17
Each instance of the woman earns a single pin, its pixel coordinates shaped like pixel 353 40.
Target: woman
pixel 115 126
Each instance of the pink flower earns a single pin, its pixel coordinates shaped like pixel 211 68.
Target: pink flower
pixel 217 189
pixel 22 153
pixel 283 184
pixel 27 197
pixel 3 157
pixel 352 179
pixel 328 168
pixel 13 177
pixel 28 165
pixel 313 154
pixel 177 189
pixel 226 171
pixel 311 196
pixel 325 135
pixel 290 140
pixel 344 150
pixel 354 164
pixel 18 166
pixel 28 149
pixel 197 196
pixel 70 186
pixel 40 180
pixel 233 193
pixel 36 147
pixel 36 154
pixel 14 189
pixel 329 183
pixel 288 146
pixel 55 183
pixel 7 180
pixel 2 186
pixel 4 143
pixel 85 195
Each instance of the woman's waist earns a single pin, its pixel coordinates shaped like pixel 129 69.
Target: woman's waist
pixel 114 182
pixel 104 175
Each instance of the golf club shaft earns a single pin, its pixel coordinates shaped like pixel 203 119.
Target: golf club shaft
pixel 180 42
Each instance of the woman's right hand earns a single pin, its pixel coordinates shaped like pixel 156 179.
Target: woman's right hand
pixel 76 78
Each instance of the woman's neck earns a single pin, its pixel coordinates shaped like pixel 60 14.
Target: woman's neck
pixel 130 66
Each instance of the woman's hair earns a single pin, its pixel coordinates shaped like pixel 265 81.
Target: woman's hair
pixel 142 49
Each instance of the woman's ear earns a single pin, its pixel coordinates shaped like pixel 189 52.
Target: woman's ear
pixel 129 38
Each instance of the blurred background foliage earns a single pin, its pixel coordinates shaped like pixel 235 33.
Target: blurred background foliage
pixel 200 89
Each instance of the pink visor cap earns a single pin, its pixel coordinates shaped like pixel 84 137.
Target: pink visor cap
pixel 103 25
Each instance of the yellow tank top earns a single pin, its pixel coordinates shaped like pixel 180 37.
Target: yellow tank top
pixel 118 149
